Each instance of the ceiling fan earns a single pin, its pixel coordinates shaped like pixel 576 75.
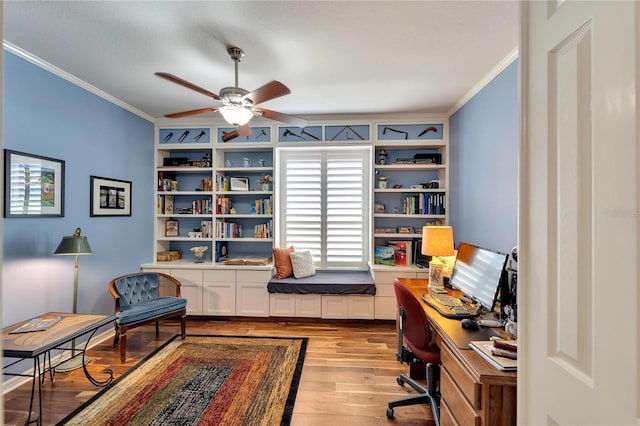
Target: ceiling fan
pixel 239 105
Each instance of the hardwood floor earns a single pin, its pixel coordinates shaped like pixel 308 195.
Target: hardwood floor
pixel 348 377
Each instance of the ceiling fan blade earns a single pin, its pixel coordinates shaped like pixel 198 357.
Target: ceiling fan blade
pixel 285 118
pixel 192 112
pixel 188 85
pixel 273 89
pixel 244 130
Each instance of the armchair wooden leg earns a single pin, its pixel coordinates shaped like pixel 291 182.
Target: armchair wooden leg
pixel 116 337
pixel 123 347
pixel 183 325
pixel 157 328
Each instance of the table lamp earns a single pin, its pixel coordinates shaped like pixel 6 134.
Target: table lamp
pixel 437 241
pixel 74 245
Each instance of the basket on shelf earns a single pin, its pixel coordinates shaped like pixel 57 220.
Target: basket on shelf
pixel 167 256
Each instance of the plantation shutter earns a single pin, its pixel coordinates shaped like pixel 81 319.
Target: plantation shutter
pixel 27 186
pixel 324 205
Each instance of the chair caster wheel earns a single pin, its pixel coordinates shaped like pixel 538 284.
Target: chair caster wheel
pixel 400 381
pixel 389 413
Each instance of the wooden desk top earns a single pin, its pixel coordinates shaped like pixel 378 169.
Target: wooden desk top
pixel 482 371
pixel 34 343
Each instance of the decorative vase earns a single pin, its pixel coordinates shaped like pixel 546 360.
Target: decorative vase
pixel 382 184
pixel 265 186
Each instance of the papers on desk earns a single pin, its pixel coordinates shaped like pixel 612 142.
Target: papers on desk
pixel 500 358
pixel 37 324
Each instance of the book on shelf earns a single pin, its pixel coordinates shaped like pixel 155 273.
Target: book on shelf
pixel 160 204
pixel 206 184
pixel 171 228
pixel 168 204
pixel 222 251
pixel 223 205
pixel 487 350
pixel 384 255
pixel 403 252
pixel 37 324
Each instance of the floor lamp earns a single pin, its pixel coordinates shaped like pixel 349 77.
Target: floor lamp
pixel 437 241
pixel 74 245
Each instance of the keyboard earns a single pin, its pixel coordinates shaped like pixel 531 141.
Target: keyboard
pixel 448 306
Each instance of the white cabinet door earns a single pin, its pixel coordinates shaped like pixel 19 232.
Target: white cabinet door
pixel 219 292
pixel 252 297
pixel 308 305
pixel 191 288
pixel 360 307
pixel 282 305
pixel 335 307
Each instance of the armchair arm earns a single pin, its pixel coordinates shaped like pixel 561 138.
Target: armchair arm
pixel 114 293
pixel 170 284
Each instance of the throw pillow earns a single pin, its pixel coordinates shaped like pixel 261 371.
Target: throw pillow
pixel 281 259
pixel 302 262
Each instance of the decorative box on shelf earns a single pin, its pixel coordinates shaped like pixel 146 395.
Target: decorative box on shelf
pixel 168 256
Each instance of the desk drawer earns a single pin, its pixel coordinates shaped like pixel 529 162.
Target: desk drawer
pixel 457 405
pixel 462 379
pixel 446 416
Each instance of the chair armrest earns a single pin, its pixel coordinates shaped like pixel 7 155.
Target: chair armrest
pixel 114 293
pixel 171 281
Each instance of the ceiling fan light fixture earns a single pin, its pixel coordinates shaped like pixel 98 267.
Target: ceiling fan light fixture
pixel 236 115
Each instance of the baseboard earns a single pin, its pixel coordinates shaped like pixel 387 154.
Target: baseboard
pixel 15 382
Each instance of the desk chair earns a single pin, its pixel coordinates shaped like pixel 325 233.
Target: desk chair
pixel 414 331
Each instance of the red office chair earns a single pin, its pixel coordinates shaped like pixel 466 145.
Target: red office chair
pixel 414 331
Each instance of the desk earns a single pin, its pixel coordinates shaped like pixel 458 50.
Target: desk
pixel 37 345
pixel 473 391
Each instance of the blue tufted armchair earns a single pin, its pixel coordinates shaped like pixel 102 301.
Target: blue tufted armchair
pixel 138 302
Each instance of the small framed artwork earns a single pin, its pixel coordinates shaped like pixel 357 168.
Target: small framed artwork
pixel 33 185
pixel 171 228
pixel 110 197
pixel 239 184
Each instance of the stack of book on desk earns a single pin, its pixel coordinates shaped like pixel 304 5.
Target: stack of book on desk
pixel 502 354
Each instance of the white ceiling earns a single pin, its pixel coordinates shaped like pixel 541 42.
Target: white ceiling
pixel 340 57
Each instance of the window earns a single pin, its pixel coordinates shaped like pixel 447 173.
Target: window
pixel 324 205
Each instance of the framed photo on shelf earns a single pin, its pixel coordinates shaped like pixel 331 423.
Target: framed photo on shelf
pixel 110 197
pixel 33 185
pixel 171 228
pixel 239 184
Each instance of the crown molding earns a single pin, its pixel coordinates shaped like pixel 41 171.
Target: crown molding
pixel 27 56
pixel 504 63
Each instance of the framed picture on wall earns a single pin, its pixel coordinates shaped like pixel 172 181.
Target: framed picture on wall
pixel 33 185
pixel 110 197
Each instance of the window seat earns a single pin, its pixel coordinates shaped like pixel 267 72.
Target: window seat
pixel 326 282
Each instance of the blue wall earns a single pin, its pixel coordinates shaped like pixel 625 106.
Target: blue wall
pixel 483 161
pixel 49 116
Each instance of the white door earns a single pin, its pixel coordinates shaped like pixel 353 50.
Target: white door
pixel 578 207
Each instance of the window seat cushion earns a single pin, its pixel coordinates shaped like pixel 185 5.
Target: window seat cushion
pixel 326 282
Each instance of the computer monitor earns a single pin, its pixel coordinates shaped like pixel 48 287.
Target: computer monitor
pixel 478 273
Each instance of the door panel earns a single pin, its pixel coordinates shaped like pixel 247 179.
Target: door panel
pixel 578 207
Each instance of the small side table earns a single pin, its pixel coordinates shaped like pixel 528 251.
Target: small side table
pixel 37 345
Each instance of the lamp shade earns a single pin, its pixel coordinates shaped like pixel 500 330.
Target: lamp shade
pixel 73 245
pixel 437 241
pixel 236 115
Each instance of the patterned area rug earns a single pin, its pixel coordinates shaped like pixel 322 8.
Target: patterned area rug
pixel 204 380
